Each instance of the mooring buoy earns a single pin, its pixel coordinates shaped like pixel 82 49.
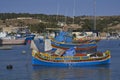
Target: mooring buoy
pixel 23 52
pixel 9 66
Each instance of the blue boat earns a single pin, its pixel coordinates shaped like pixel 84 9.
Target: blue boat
pixel 65 41
pixel 27 37
pixel 78 47
pixel 66 58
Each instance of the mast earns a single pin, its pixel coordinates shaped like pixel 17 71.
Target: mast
pixel 73 11
pixel 94 15
pixel 57 10
pixel 65 16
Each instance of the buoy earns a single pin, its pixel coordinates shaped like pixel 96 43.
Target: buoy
pixel 23 52
pixel 9 66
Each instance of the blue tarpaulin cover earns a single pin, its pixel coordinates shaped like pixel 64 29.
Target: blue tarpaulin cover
pixel 63 36
pixel 60 37
pixel 70 52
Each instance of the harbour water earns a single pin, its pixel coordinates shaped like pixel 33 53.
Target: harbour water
pixel 20 58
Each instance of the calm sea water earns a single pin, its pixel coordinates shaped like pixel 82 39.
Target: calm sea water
pixel 23 69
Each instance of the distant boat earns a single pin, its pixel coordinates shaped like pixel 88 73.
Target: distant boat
pixel 12 41
pixel 25 36
pixel 68 58
pixel 6 39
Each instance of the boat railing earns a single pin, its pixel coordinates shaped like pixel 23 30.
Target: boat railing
pixel 46 56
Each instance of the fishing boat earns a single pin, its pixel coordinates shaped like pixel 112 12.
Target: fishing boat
pixel 67 58
pixel 65 41
pixel 79 47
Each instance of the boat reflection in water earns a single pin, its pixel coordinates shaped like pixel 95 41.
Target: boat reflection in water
pixel 101 72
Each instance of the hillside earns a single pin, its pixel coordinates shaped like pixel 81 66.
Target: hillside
pixel 41 21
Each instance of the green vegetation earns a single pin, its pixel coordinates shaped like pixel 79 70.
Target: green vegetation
pixel 51 21
pixel 41 27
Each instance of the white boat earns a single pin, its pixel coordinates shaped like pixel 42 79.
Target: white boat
pixel 10 40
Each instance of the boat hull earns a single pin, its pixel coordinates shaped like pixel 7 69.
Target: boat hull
pixel 67 64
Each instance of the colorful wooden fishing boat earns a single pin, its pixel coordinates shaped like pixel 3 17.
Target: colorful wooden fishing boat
pixel 60 57
pixel 79 46
pixel 64 40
